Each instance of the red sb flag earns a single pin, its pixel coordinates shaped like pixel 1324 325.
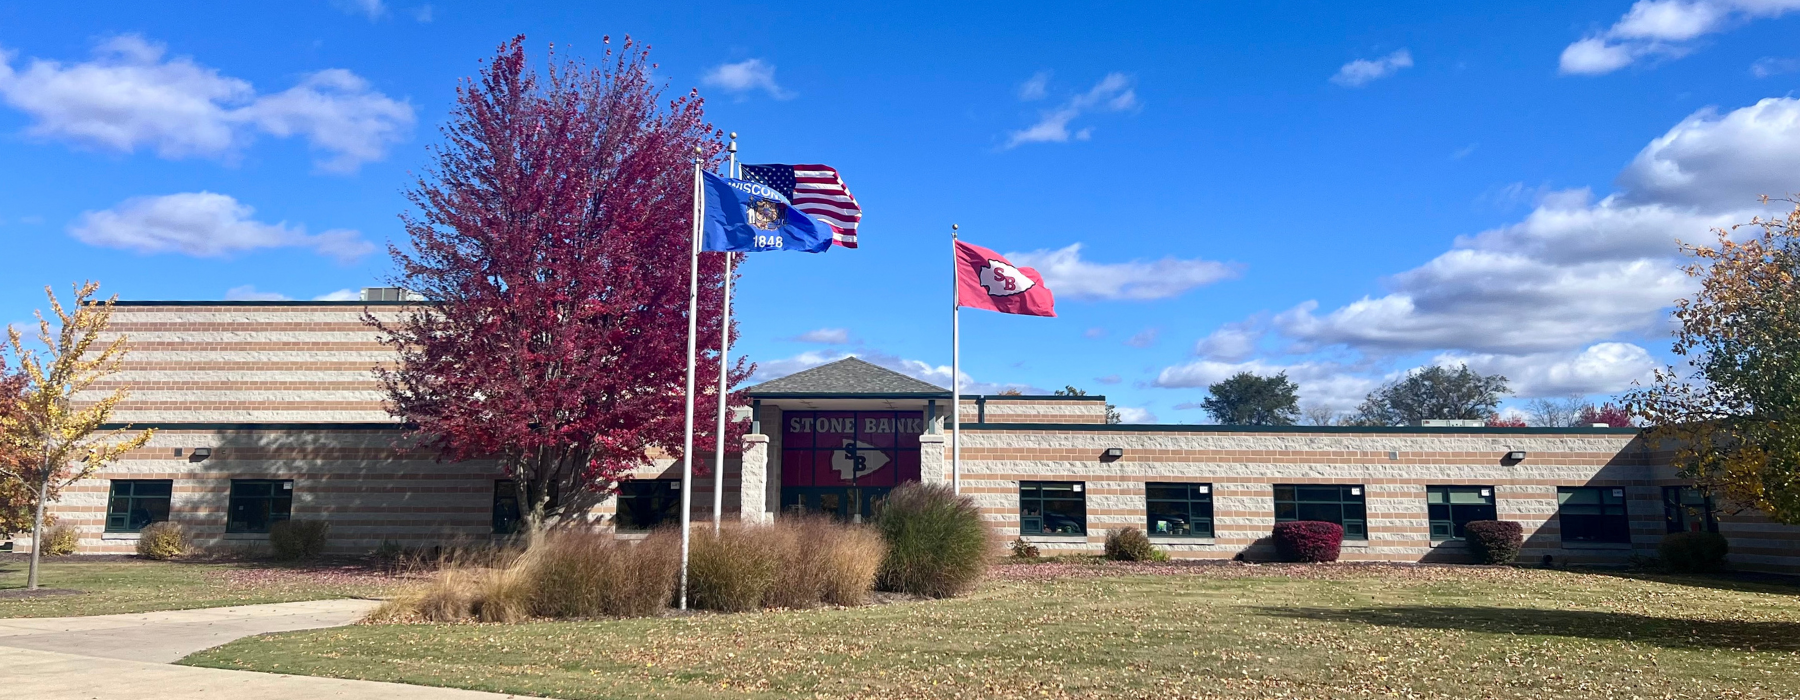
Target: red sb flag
pixel 985 280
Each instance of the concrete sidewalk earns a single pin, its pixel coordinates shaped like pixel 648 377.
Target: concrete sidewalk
pixel 130 656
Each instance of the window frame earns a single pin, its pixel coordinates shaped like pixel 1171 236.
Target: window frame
pixel 505 493
pixel 131 499
pixel 1675 513
pixel 668 488
pixel 1032 492
pixel 1613 533
pixel 1198 497
pixel 1455 525
pixel 270 516
pixel 1348 494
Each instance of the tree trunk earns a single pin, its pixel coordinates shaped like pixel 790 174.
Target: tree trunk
pixel 37 534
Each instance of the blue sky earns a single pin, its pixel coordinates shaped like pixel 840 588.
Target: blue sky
pixel 1341 191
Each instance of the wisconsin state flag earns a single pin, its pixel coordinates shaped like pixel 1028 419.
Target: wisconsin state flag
pixel 985 280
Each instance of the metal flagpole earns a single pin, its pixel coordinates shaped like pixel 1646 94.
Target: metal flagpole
pixel 718 511
pixel 687 450
pixel 955 367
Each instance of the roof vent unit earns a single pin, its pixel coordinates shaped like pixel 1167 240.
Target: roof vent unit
pixel 387 294
pixel 1451 423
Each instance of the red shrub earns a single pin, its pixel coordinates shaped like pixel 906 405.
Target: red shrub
pixel 1308 540
pixel 1495 541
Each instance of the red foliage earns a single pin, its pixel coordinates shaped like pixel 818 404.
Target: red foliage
pixel 1499 421
pixel 1308 540
pixel 1608 413
pixel 1495 541
pixel 17 501
pixel 551 246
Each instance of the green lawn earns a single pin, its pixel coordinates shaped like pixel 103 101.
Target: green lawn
pixel 1060 630
pixel 112 585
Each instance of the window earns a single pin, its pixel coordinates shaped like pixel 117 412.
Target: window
pixel 258 503
pixel 1452 507
pixel 136 503
pixel 1686 509
pixel 1331 503
pixel 1179 510
pixel 646 503
pixel 506 507
pixel 1592 514
pixel 1052 508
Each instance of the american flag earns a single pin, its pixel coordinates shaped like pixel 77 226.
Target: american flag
pixel 815 190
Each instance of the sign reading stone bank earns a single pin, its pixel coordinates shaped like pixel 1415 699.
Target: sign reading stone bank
pixel 850 448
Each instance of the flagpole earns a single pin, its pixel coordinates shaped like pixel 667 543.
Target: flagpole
pixel 955 367
pixel 687 450
pixel 718 511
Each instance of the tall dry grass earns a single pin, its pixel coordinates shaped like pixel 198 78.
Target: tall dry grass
pixel 580 573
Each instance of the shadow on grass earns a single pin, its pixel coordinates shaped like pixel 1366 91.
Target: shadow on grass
pixel 1735 581
pixel 1675 633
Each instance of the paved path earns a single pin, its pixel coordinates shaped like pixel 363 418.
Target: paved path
pixel 128 656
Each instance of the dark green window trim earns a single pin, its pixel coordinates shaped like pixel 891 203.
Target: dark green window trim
pixel 647 503
pixel 1343 504
pixel 1686 509
pixel 1178 509
pixel 136 503
pixel 258 503
pixel 1593 514
pixel 1052 508
pixel 1449 508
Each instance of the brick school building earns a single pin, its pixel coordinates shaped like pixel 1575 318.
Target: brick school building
pixel 268 410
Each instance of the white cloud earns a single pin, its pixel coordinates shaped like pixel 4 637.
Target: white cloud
pixel 1138 414
pixel 1361 71
pixel 1321 383
pixel 745 76
pixel 248 293
pixel 1603 368
pixel 827 336
pixel 339 295
pixel 1232 342
pixel 1114 93
pixel 204 224
pixel 129 96
pixel 1144 338
pixel 373 9
pixel 1721 162
pixel 917 369
pixel 1662 28
pixel 1770 65
pixel 1035 88
pixel 1070 277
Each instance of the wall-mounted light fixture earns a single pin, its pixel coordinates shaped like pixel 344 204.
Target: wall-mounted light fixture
pixel 1112 454
pixel 200 453
pixel 1515 456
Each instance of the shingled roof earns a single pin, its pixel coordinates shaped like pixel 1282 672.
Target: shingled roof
pixel 847 376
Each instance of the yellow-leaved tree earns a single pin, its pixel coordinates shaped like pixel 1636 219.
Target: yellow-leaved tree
pixel 54 432
pixel 1732 418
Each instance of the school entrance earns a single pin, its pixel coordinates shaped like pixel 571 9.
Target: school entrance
pixel 841 463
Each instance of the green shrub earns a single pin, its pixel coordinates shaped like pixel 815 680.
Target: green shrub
pixel 1495 541
pixel 292 540
pixel 937 541
pixel 1693 552
pixel 1130 544
pixel 734 570
pixel 162 541
pixel 580 573
pixel 61 540
pixel 1024 550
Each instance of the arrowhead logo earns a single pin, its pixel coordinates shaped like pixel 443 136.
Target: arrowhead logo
pixel 857 459
pixel 1003 280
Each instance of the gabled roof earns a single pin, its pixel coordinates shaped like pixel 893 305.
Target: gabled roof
pixel 849 376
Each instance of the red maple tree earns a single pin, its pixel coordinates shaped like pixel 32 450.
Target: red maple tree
pixel 550 251
pixel 1609 413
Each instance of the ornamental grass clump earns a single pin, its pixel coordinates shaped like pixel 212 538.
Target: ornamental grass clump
pixel 1131 544
pixel 1693 552
pixel 162 541
pixel 736 569
pixel 1495 541
pixel 937 541
pixel 582 573
pixel 824 562
pixel 1310 541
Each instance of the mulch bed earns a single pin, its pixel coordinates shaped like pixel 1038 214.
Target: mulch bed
pixel 39 593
